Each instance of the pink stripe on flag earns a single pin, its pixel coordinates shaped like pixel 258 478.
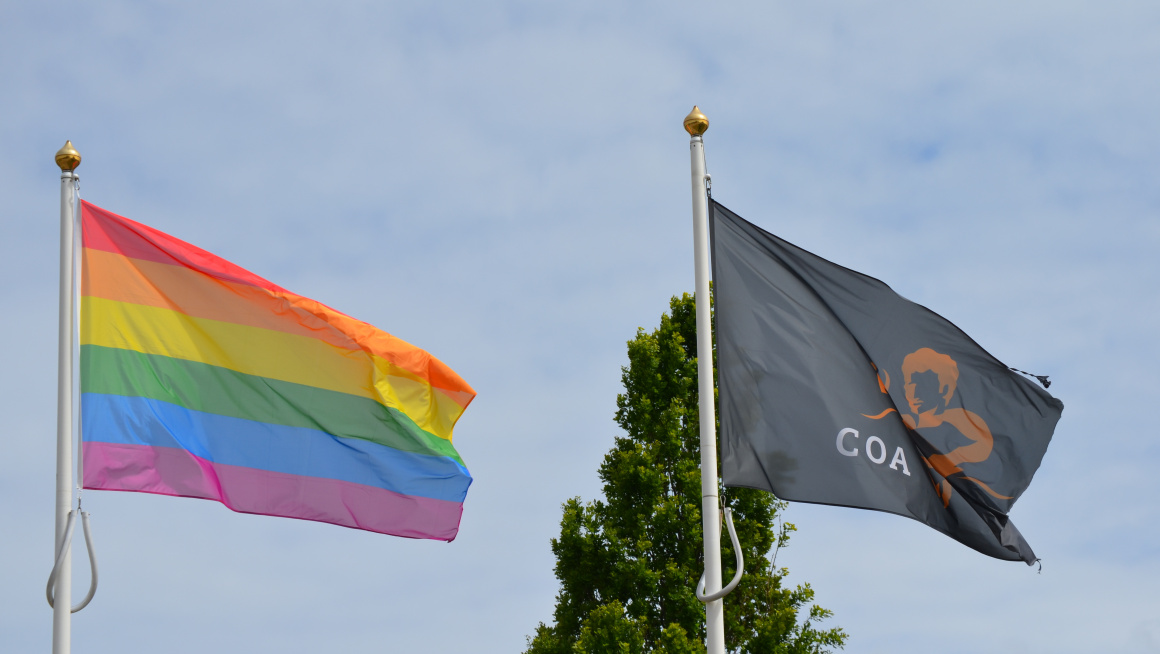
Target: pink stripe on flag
pixel 172 471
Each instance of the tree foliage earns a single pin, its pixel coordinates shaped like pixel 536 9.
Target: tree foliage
pixel 627 564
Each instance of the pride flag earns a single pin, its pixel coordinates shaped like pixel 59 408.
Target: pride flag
pixel 201 379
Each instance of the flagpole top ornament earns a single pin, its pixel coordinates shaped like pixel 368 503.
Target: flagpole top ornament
pixel 68 158
pixel 696 123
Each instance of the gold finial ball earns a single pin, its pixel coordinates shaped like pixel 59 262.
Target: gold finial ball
pixel 696 123
pixel 68 158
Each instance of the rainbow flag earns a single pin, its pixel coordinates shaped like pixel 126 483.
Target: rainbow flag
pixel 201 379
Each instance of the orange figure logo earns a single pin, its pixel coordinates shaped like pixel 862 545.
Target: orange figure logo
pixel 930 380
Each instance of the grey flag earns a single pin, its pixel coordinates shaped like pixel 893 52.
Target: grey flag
pixel 836 390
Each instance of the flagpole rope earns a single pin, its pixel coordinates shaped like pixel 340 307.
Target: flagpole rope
pixel 737 555
pixel 80 480
pixel 60 554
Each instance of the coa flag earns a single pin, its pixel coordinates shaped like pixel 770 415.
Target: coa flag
pixel 201 379
pixel 836 390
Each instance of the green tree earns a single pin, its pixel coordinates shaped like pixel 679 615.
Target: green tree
pixel 627 564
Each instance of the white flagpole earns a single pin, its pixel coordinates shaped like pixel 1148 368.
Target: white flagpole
pixel 696 124
pixel 68 159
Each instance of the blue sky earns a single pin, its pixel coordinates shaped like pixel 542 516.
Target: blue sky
pixel 506 186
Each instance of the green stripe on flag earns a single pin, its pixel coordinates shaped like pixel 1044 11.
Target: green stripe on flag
pixel 226 392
